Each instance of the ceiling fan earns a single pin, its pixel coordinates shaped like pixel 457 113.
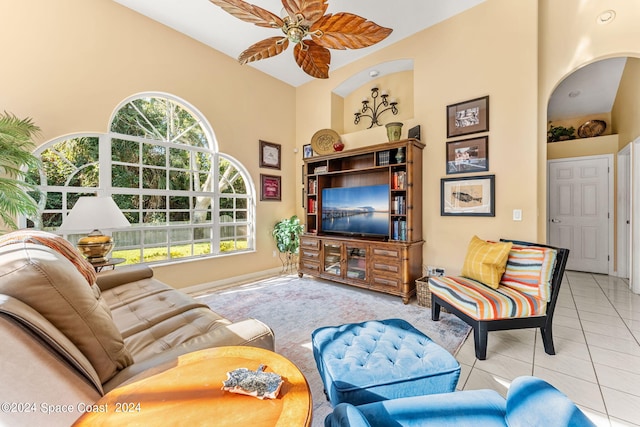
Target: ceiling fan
pixel 307 26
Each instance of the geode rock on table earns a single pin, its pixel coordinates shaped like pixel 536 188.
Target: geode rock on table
pixel 260 384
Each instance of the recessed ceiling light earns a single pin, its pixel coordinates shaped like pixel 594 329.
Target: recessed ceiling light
pixel 606 17
pixel 374 73
pixel 574 94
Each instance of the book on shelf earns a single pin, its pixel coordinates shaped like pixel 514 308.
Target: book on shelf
pixel 320 169
pixel 313 186
pixel 383 158
pixel 311 205
pixel 399 231
pixel 399 180
pixel 399 205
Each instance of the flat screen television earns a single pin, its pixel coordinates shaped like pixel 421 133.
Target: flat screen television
pixel 356 211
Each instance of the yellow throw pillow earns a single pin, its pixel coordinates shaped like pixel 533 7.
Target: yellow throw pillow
pixel 486 261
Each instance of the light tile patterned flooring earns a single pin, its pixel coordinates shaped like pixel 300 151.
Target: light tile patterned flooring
pixel 596 331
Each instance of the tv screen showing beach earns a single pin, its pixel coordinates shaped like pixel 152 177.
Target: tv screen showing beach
pixel 360 210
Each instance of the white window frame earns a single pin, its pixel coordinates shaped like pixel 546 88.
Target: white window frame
pixel 106 189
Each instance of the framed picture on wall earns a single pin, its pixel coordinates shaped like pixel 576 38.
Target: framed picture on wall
pixel 468 196
pixel 468 117
pixel 468 155
pixel 270 155
pixel 270 187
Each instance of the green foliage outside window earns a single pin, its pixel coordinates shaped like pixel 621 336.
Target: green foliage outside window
pixel 161 174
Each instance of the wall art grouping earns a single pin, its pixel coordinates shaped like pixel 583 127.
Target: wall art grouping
pixel 470 195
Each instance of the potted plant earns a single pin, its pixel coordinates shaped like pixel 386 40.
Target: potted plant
pixel 16 158
pixel 560 133
pixel 286 233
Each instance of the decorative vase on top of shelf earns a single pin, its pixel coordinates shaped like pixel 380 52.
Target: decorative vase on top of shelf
pixel 400 155
pixel 394 130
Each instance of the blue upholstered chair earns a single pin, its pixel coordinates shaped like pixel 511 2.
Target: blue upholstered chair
pixel 530 402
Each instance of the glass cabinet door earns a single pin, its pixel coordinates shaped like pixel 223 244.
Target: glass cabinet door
pixel 332 258
pixel 356 262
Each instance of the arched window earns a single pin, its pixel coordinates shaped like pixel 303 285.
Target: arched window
pixel 159 162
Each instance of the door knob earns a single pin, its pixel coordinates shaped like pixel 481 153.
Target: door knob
pixel 555 220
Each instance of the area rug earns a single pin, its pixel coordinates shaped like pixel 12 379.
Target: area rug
pixel 294 307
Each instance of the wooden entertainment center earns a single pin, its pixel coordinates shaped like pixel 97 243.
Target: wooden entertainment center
pixel 389 263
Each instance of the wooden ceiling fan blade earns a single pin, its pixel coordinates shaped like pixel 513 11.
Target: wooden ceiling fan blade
pixel 250 13
pixel 311 10
pixel 313 59
pixel 348 31
pixel 264 49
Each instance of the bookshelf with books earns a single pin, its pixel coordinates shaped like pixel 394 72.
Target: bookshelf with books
pixel 389 260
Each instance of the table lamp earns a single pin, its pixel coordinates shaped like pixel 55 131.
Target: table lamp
pixel 94 213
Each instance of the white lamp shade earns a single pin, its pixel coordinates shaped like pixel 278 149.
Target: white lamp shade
pixel 91 213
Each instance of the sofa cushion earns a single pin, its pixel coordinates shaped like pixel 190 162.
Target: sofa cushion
pixel 119 296
pixel 486 261
pixel 529 269
pixel 58 244
pixel 49 336
pixel 50 284
pixel 483 303
pixel 151 309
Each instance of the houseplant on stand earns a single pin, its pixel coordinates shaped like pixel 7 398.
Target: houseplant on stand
pixel 16 144
pixel 286 233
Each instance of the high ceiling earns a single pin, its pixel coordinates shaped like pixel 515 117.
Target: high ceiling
pixel 209 24
pixel 202 20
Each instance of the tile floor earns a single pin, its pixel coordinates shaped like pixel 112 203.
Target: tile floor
pixel 597 362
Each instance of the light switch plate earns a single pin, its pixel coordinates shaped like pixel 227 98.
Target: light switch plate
pixel 517 214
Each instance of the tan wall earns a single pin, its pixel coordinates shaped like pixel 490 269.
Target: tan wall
pixel 460 59
pixel 583 147
pixel 626 109
pixel 570 38
pixel 67 64
pixel 399 86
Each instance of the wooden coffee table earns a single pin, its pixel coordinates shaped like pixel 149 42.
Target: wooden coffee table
pixel 188 392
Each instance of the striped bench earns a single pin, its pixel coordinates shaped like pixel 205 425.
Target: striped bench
pixel 525 298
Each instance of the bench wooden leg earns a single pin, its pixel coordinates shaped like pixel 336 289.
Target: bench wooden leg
pixel 480 333
pixel 435 311
pixel 547 340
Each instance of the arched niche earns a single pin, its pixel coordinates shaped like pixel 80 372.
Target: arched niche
pixel 395 77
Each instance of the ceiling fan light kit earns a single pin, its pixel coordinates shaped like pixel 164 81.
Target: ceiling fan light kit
pixel 306 25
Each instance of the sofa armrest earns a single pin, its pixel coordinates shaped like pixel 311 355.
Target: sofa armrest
pixel 112 278
pixel 532 401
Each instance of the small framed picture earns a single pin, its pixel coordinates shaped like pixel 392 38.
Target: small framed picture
pixel 270 155
pixel 469 196
pixel 270 187
pixel 468 155
pixel 468 117
pixel 307 151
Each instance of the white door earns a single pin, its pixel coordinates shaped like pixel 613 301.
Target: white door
pixel 623 205
pixel 579 211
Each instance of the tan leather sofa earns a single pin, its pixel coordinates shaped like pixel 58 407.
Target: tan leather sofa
pixel 65 343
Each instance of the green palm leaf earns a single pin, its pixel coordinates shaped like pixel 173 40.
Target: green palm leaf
pixel 16 158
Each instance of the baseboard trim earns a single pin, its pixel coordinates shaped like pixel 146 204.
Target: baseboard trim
pixel 230 282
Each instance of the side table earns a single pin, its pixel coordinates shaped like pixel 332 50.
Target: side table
pixel 111 262
pixel 188 391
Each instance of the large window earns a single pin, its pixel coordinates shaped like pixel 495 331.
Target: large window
pixel 159 162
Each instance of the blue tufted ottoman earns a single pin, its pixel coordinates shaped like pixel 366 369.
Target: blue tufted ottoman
pixel 378 360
